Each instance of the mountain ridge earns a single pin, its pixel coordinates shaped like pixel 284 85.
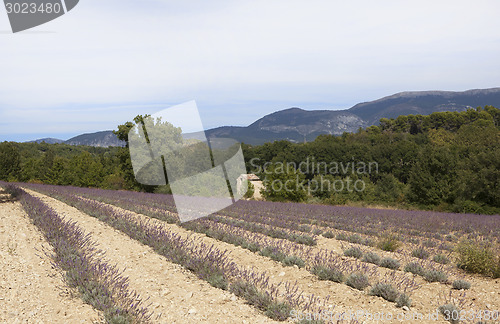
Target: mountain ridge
pixel 298 125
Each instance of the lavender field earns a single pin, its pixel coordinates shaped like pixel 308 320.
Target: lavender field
pixel 296 262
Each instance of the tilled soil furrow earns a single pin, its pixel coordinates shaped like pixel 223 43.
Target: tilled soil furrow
pixel 174 294
pixel 341 298
pixel 31 290
pixel 346 299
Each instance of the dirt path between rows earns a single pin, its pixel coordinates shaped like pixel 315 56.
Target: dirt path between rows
pixel 483 296
pixel 342 298
pixel 175 294
pixel 31 291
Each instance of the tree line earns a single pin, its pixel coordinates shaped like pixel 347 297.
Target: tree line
pixel 447 161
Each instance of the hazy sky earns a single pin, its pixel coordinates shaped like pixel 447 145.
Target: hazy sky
pixel 109 60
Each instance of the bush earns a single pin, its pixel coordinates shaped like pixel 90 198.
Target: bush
pixel 403 300
pixel 303 239
pixel 354 238
pixel 273 253
pixel 328 234
pixel 371 257
pixel 341 237
pixel 353 252
pixel 357 281
pixel 389 243
pixel 261 300
pixel 476 258
pixel 441 258
pixel 435 276
pixel 450 238
pixel 429 244
pixel 384 290
pixel 415 268
pixel 420 253
pixel 496 269
pixel 317 231
pixel 330 274
pixel 304 228
pixel 254 247
pixel 293 260
pixel 450 313
pixel 278 311
pixel 461 284
pixel 413 240
pixel 390 263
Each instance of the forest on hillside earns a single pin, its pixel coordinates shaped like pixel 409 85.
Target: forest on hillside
pixel 448 161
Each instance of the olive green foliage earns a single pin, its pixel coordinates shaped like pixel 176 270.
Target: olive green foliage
pixel 446 161
pixel 478 257
pixel 284 184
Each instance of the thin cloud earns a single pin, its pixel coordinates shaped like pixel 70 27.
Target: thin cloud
pixel 260 54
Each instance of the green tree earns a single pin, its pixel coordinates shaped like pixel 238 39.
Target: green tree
pixel 284 183
pixel 10 163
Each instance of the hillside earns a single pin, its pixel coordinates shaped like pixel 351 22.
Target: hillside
pixel 99 139
pixel 298 125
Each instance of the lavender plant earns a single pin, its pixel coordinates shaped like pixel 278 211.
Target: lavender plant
pixel 99 284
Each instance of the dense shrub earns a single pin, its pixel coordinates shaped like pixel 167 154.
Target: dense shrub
pixel 358 281
pixel 441 258
pixel 450 313
pixel 261 300
pixel 429 244
pixel 435 276
pixel 390 263
pixel 293 260
pixel 302 239
pixel 341 237
pixel 328 234
pixel 403 300
pixel 389 243
pixel 476 257
pixel 273 253
pixel 420 253
pixel 317 231
pixel 415 268
pixel 353 252
pixel 461 284
pixel 384 290
pixel 306 321
pixel 371 257
pixel 330 274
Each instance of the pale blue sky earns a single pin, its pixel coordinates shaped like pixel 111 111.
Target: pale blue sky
pixel 108 60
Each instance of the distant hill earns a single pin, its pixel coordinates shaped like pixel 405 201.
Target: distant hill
pixel 294 124
pixel 298 125
pixel 48 140
pixel 98 139
pixel 424 103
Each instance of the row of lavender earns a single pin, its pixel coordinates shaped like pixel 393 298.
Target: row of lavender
pixel 207 262
pixel 150 204
pixel 384 288
pixel 292 215
pixel 325 264
pixel 98 283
